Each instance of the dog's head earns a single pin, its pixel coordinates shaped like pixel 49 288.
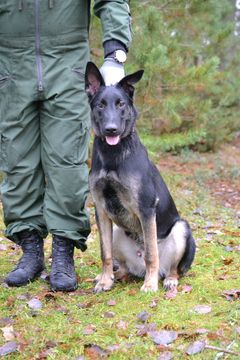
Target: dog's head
pixel 113 113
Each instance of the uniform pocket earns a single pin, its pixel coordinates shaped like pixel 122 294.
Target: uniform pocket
pixel 5 94
pixel 3 153
pixel 80 75
pixel 81 145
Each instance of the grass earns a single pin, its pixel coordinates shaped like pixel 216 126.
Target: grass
pixel 175 142
pixel 68 325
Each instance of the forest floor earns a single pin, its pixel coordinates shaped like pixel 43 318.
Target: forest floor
pixel 200 320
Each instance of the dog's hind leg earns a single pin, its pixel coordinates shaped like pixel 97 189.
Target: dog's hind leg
pixel 128 255
pixel 106 279
pixel 171 253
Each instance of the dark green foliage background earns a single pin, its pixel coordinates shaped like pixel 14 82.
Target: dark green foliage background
pixel 190 55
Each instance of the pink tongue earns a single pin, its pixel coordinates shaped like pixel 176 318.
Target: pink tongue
pixel 112 140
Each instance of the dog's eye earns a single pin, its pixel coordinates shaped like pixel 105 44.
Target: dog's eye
pixel 101 105
pixel 120 103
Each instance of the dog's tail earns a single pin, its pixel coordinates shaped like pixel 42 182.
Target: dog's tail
pixel 189 253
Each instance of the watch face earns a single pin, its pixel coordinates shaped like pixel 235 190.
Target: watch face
pixel 120 56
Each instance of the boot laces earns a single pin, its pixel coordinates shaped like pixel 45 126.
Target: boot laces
pixel 32 252
pixel 62 258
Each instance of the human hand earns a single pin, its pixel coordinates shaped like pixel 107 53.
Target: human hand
pixel 112 71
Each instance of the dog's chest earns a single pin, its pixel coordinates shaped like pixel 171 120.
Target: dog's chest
pixel 118 196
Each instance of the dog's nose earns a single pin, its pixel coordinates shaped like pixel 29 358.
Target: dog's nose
pixel 111 130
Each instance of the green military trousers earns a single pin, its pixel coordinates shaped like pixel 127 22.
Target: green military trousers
pixel 44 135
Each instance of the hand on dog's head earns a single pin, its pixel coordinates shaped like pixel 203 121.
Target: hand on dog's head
pixel 94 81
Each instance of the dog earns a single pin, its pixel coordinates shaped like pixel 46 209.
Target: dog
pixel 149 238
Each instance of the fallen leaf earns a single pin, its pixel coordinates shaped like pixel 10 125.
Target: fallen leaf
pixel 186 288
pixel 202 309
pixel 63 310
pixel 49 296
pixel 166 355
pixel 163 337
pixel 232 233
pixel 122 325
pixel 227 261
pixel 112 348
pixel 170 294
pixel 231 295
pixel 143 316
pixel 89 329
pixel 198 211
pixel 85 305
pixel 47 351
pixel 24 297
pixel 195 347
pixel 109 314
pixel 50 344
pixel 6 321
pixel 44 276
pixel 10 301
pixel 144 329
pixel 8 333
pixel 228 248
pixel 45 354
pixel 154 303
pixel 111 302
pixel 223 277
pixel 212 336
pixel 8 348
pixel 34 304
pixel 94 352
pixel 132 292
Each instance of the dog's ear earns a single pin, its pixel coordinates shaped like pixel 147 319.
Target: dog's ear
pixel 93 79
pixel 128 81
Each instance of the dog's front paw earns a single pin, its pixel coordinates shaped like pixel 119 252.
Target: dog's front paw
pixel 97 278
pixel 104 283
pixel 150 286
pixel 170 283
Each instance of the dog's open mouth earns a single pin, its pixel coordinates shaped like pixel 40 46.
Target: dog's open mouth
pixel 112 140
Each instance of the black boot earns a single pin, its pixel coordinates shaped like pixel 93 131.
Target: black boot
pixel 62 276
pixel 31 263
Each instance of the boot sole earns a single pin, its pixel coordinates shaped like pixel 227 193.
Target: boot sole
pixel 54 288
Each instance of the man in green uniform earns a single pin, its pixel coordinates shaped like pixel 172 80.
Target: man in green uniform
pixel 44 125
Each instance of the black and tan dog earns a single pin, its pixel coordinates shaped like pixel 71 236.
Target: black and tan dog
pixel 149 238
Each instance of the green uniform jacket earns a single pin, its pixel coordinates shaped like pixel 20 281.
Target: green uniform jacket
pixel 44 113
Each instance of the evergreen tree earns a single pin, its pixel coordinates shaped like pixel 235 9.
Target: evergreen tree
pixel 190 56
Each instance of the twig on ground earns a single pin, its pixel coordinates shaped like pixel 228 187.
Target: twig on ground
pixel 216 348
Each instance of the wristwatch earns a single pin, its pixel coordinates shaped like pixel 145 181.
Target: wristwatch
pixel 120 56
